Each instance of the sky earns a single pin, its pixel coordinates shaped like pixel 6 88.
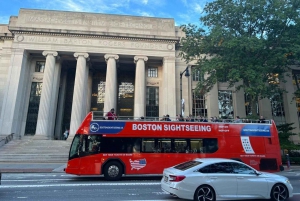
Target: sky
pixel 182 11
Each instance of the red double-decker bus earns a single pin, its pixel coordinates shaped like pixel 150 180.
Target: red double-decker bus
pixel 139 147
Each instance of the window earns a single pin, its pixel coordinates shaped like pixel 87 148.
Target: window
pixel 199 105
pixel 248 106
pixel 40 66
pixel 197 75
pixel 225 104
pixel 187 165
pixel 277 108
pixel 84 145
pixel 33 108
pixel 239 168
pixel 152 98
pixel 152 72
pixel 217 168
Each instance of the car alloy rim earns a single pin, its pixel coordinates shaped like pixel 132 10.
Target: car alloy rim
pixel 205 194
pixel 113 171
pixel 280 193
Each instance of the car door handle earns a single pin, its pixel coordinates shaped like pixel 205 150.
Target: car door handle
pixel 240 177
pixel 213 177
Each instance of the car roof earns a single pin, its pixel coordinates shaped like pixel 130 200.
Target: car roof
pixel 214 160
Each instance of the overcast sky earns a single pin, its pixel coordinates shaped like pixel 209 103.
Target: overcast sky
pixel 183 11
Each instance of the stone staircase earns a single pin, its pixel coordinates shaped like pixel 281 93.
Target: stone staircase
pixel 30 150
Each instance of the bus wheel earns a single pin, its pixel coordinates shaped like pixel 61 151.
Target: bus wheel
pixel 281 167
pixel 113 171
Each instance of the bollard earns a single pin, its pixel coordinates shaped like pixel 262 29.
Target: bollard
pixel 0 177
pixel 288 164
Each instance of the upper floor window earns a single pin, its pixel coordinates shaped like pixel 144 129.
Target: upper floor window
pixel 152 72
pixel 40 66
pixel 197 75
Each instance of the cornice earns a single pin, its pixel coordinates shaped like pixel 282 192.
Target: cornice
pixel 6 38
pixel 93 35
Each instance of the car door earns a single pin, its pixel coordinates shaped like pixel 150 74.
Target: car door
pixel 249 183
pixel 221 178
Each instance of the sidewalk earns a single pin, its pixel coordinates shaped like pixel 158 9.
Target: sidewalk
pixel 31 167
pixel 31 155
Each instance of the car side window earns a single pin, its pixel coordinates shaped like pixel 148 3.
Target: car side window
pixel 217 168
pixel 239 168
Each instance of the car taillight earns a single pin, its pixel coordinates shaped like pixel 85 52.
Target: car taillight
pixel 175 178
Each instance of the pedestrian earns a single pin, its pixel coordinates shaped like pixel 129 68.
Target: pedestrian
pixel 111 115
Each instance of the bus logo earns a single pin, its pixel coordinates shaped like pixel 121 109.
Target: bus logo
pixel 94 127
pixel 137 164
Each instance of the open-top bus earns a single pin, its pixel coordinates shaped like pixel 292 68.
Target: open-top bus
pixel 139 147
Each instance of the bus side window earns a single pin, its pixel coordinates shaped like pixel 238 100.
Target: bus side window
pixel 180 145
pixel 136 146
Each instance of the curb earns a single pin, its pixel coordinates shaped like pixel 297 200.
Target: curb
pixel 26 170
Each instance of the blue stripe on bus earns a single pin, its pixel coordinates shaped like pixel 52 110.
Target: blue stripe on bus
pixel 256 130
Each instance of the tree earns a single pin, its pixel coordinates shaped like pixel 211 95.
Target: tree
pixel 285 131
pixel 247 43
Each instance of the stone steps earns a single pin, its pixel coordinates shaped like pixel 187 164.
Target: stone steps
pixel 35 151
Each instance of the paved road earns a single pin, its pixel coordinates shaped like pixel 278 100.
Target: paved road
pixel 60 186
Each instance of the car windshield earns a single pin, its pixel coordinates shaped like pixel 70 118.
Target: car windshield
pixel 187 165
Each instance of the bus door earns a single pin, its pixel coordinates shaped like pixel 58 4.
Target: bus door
pixel 90 161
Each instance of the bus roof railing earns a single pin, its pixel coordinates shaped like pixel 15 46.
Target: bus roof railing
pixel 99 115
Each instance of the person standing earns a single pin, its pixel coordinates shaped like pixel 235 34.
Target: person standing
pixel 111 115
pixel 261 119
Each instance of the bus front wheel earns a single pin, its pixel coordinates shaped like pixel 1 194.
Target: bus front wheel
pixel 113 171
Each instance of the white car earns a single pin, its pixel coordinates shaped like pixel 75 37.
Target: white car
pixel 211 179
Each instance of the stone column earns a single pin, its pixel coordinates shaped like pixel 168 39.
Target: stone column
pixel 289 103
pixel 79 95
pixel 169 87
pixel 110 99
pixel 44 115
pixel 140 87
pixel 16 63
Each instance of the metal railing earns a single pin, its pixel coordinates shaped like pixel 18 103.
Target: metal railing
pixel 97 115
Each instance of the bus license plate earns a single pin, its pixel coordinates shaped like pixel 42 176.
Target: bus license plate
pixel 166 178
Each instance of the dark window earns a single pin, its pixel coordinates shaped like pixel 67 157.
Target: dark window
pixel 217 168
pixel 187 165
pixel 268 164
pixel 93 144
pixel 33 108
pixel 239 168
pixel 152 102
pixel 40 66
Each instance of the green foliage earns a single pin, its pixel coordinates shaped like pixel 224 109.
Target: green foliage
pixel 293 160
pixel 284 133
pixel 247 43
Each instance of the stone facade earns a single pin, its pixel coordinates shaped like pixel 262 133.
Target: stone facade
pixel 86 60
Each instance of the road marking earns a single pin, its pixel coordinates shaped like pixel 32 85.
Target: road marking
pixel 64 185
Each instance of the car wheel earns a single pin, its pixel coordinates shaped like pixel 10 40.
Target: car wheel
pixel 113 171
pixel 279 193
pixel 205 193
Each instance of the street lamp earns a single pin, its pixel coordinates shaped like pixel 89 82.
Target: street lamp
pixel 187 74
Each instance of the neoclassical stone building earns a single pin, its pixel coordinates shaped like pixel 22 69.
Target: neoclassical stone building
pixel 57 66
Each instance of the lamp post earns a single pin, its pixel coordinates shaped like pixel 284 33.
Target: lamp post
pixel 187 74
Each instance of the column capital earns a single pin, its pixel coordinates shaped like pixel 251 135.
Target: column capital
pixel 114 56
pixel 136 58
pixel 46 53
pixel 84 54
